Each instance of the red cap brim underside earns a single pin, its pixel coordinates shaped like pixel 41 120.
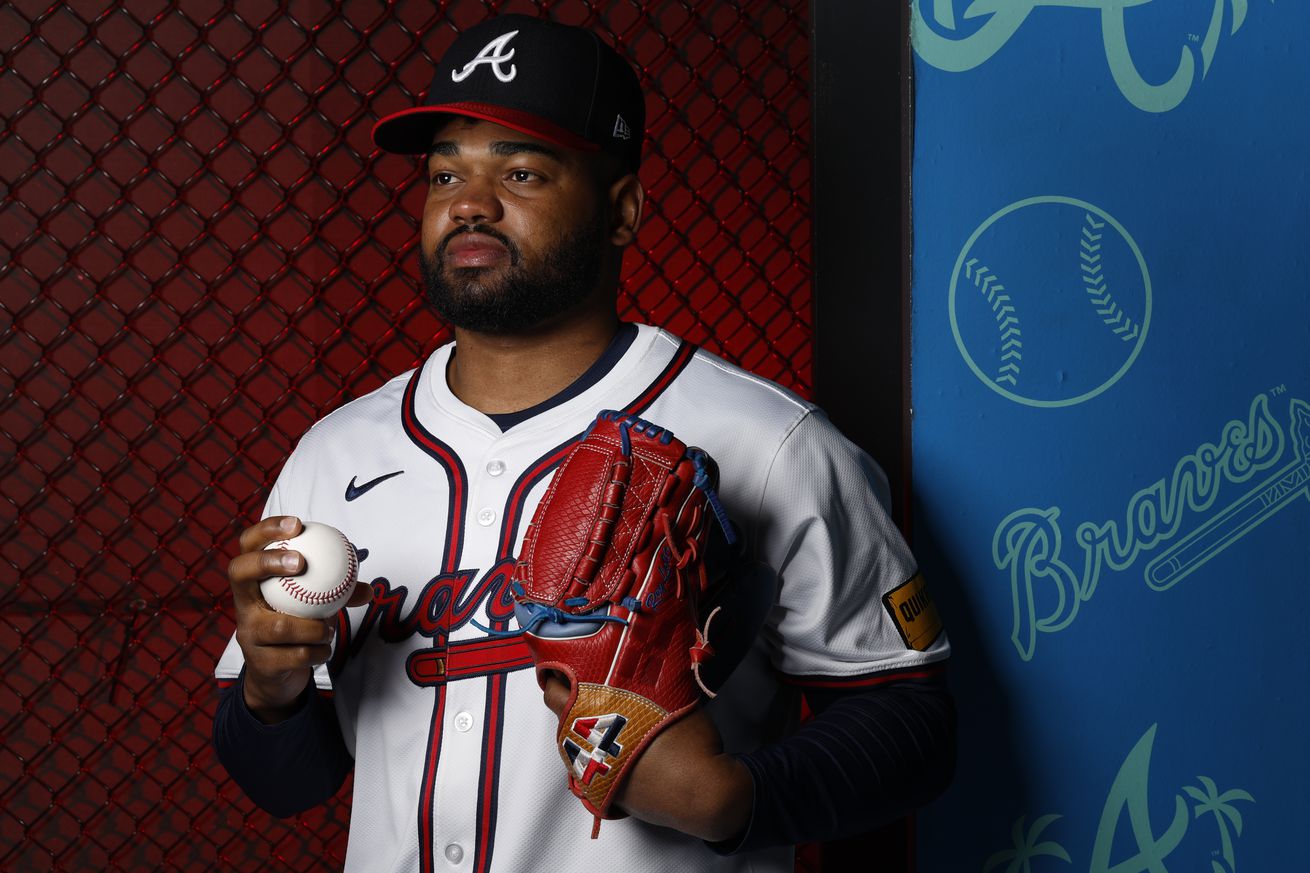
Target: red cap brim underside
pixel 410 131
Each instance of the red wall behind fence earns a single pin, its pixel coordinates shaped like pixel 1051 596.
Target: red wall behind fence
pixel 202 255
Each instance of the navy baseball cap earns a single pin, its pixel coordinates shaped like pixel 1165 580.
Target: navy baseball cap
pixel 555 82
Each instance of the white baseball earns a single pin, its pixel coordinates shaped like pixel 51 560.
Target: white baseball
pixel 331 568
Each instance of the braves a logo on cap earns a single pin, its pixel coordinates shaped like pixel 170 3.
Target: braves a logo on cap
pixel 494 53
pixel 600 732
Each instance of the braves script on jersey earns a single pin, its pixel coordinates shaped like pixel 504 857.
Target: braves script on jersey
pixel 437 500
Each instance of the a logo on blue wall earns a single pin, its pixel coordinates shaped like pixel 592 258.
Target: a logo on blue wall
pixel 1050 301
pixel 958 43
pixel 1144 848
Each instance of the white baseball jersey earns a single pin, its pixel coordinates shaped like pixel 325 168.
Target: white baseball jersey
pixel 455 761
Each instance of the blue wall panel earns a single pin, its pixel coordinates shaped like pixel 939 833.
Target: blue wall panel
pixel 1111 427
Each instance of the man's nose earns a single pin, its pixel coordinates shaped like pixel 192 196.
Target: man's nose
pixel 478 202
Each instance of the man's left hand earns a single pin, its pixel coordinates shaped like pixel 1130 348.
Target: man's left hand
pixel 683 779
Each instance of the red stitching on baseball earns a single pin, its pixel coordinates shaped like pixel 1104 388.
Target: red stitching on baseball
pixel 292 586
pixel 304 595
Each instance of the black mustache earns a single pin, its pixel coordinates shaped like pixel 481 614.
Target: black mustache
pixel 485 230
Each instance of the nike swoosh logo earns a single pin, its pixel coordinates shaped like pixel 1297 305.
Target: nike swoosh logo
pixel 354 491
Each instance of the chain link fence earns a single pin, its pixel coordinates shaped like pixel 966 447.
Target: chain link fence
pixel 203 254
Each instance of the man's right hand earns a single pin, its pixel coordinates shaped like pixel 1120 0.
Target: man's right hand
pixel 280 650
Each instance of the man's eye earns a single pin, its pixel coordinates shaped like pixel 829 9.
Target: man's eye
pixel 442 178
pixel 523 176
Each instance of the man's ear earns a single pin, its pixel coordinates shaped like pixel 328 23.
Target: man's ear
pixel 627 198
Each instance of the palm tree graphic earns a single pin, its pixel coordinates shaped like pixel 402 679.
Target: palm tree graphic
pixel 1026 847
pixel 1220 806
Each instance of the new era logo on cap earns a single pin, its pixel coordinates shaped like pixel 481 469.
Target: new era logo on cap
pixel 621 129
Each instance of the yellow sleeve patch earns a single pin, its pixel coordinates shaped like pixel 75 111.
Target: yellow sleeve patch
pixel 914 613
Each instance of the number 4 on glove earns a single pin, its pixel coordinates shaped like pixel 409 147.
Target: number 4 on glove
pixel 609 590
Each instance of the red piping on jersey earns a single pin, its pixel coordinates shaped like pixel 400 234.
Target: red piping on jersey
pixel 428 789
pixel 489 784
pixel 454 468
pixel 681 358
pixel 458 479
pixel 518 495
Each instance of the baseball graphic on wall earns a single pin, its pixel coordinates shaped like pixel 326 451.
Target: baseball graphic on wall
pixel 1050 301
pixel 331 568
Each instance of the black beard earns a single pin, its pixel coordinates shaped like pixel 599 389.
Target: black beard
pixel 523 297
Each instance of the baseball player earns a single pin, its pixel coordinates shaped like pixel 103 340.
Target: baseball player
pixel 424 686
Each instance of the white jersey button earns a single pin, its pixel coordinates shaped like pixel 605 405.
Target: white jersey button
pixel 495 468
pixel 454 854
pixel 463 721
pixel 487 517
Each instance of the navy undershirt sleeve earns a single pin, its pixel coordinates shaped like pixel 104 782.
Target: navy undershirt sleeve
pixel 288 767
pixel 866 758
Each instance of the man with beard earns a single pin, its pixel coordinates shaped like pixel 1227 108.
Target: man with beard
pixel 532 137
